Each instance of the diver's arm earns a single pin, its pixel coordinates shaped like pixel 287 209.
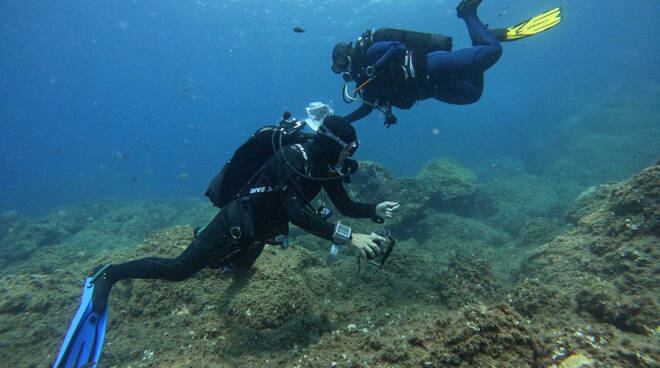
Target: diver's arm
pixel 293 201
pixel 300 215
pixel 394 50
pixel 362 111
pixel 345 204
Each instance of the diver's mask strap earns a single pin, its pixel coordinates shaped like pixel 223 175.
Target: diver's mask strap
pixel 353 146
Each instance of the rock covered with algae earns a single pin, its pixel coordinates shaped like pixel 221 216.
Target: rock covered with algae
pixel 577 361
pixel 443 179
pixel 442 185
pixel 591 292
pixel 606 270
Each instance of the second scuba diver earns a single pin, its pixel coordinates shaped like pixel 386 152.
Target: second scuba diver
pixel 397 68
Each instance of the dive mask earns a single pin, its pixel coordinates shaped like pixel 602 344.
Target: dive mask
pixel 340 64
pixel 352 147
pixel 341 60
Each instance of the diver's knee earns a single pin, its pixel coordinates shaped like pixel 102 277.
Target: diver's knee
pixel 487 56
pixel 471 96
pixel 185 267
pixel 472 99
pixel 496 50
pixel 182 272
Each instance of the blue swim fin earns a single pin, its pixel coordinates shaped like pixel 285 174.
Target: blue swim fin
pixel 84 339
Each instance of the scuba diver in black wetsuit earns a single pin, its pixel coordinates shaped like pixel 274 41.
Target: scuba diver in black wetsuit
pixel 278 193
pixel 397 68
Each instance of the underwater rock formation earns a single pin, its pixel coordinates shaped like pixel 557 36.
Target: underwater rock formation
pixel 273 296
pixel 540 230
pixel 588 296
pixel 441 180
pixel 20 238
pixel 468 281
pixel 588 201
pixel 444 180
pixel 442 185
pixel 607 268
pixel 525 207
pixel 94 224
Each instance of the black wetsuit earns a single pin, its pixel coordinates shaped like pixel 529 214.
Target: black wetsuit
pixel 236 236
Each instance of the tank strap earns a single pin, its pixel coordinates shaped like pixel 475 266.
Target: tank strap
pixel 418 62
pixel 408 62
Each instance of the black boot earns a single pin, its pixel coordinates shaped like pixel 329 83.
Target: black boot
pixel 467 7
pixel 102 285
pixel 479 33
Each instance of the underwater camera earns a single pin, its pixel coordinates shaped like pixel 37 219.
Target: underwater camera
pixel 385 247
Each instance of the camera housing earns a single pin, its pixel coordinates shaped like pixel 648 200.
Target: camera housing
pixel 385 247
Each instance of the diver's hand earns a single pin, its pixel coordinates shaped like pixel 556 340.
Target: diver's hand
pixel 389 119
pixel 386 209
pixel 365 244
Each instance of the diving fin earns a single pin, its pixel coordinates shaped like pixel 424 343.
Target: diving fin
pixel 530 27
pixel 84 339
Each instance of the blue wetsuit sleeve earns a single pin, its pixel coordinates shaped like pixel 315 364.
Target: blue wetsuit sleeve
pixel 386 50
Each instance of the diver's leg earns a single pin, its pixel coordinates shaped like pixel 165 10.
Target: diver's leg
pixel 479 33
pixel 456 89
pixel 192 260
pixel 487 47
pixel 211 245
pixel 467 6
pixel 457 76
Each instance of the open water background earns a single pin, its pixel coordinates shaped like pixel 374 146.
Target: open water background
pixel 147 99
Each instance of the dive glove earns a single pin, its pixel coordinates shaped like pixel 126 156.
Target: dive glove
pixel 389 119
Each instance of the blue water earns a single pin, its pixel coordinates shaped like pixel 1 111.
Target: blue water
pixel 145 99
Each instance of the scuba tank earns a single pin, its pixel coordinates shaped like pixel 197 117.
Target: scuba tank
pixel 250 158
pixel 419 44
pixel 418 41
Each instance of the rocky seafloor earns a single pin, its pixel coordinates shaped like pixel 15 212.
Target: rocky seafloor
pixel 482 276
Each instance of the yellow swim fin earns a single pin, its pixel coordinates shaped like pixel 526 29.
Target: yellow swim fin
pixel 530 27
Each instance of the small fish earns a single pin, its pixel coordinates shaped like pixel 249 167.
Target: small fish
pixel 133 180
pixel 119 155
pixel 298 30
